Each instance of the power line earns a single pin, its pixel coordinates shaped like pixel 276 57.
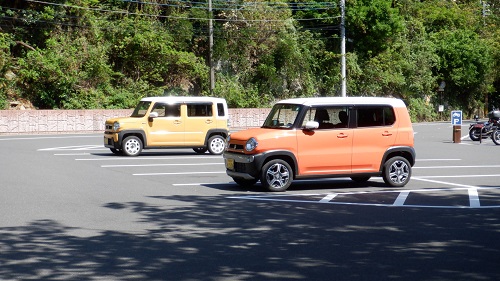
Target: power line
pixel 196 32
pixel 228 5
pixel 172 17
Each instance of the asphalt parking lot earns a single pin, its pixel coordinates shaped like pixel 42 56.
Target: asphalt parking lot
pixel 74 211
pixel 464 175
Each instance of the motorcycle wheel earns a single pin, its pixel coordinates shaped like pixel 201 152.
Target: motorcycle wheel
pixel 495 136
pixel 475 134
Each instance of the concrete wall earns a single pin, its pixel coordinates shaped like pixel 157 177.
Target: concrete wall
pixel 81 121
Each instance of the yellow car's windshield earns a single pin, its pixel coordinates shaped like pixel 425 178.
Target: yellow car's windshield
pixel 141 109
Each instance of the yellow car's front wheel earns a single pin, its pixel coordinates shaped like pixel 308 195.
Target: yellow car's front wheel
pixel 216 145
pixel 132 146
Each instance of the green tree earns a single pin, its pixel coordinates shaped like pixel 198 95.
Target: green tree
pixel 90 53
pixel 263 48
pixel 143 50
pixel 7 77
pixel 372 25
pixel 466 61
pixel 403 70
pixel 64 74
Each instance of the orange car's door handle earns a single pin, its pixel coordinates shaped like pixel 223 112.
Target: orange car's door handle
pixel 342 136
pixel 386 134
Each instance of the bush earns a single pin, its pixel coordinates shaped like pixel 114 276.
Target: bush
pixel 238 96
pixel 421 110
pixel 6 76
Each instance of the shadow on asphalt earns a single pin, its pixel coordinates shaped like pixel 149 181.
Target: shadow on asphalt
pixel 302 185
pixel 218 238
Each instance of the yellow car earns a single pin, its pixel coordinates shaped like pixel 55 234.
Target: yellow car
pixel 200 123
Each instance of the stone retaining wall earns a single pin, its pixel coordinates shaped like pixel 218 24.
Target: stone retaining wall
pixel 80 121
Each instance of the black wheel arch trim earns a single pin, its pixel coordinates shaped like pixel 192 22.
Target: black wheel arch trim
pixel 222 132
pixel 123 134
pixel 407 152
pixel 261 158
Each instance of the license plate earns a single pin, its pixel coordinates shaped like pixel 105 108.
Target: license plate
pixel 230 164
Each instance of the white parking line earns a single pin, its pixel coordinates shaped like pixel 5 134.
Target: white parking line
pixel 115 158
pixel 459 176
pixel 41 138
pixel 400 201
pixel 474 198
pixel 76 147
pixel 426 160
pixel 159 165
pixel 455 167
pixel 328 198
pixel 201 184
pixel 71 154
pixel 445 183
pixel 169 174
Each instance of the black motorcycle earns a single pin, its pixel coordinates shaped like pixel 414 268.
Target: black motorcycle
pixel 486 129
pixel 495 136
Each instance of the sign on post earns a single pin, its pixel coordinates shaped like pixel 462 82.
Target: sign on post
pixel 456 117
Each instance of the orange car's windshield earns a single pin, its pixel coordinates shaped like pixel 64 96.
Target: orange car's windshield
pixel 282 116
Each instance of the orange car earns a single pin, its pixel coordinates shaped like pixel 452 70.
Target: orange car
pixel 356 137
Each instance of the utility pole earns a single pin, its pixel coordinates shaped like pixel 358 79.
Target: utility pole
pixel 485 10
pixel 211 47
pixel 342 48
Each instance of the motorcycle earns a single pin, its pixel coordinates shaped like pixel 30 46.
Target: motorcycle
pixel 495 136
pixel 486 129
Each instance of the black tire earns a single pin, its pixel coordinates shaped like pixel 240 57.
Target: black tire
pixel 397 171
pixel 132 146
pixel 245 182
pixel 475 134
pixel 116 151
pixel 216 145
pixel 200 150
pixel 276 175
pixel 360 179
pixel 495 136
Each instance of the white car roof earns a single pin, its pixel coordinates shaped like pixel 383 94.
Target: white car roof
pixel 172 99
pixel 345 101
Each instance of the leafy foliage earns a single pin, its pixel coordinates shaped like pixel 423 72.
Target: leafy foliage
pixel 78 54
pixel 373 24
pixel 6 85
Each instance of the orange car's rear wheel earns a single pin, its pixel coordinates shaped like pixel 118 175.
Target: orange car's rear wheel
pixel 397 171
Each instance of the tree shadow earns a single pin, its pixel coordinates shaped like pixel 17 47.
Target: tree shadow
pixel 219 238
pixel 301 185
